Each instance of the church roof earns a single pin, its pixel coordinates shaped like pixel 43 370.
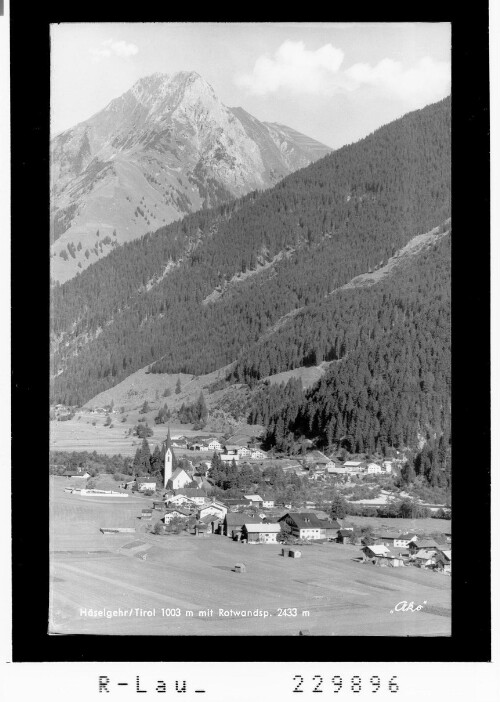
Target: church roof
pixel 168 441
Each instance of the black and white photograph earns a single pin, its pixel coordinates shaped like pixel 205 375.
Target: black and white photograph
pixel 250 329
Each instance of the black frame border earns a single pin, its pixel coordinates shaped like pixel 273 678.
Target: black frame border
pixel 30 361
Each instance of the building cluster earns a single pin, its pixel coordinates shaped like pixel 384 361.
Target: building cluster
pixel 397 549
pixel 235 448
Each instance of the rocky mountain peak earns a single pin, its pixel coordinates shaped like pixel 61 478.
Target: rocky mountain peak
pixel 166 147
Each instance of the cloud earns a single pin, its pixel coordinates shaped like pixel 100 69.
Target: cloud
pixel 428 80
pixel 296 70
pixel 110 47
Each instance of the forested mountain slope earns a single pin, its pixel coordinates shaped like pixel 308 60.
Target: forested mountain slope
pixel 390 382
pixel 318 228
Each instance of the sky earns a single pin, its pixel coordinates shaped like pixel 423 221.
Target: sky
pixel 334 82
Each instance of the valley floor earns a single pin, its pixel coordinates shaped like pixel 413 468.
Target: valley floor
pixel 341 595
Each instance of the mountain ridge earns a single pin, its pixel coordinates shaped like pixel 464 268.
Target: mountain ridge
pixel 339 217
pixel 165 148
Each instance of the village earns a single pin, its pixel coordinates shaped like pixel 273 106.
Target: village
pixel 183 503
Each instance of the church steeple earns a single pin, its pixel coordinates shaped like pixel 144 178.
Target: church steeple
pixel 169 459
pixel 168 443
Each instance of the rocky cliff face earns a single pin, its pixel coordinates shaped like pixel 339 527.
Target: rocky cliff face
pixel 165 148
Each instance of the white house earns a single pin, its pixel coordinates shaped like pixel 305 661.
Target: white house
pixel 354 466
pixel 424 558
pixel 71 474
pixel 174 513
pixel 229 457
pixel 199 497
pixel 144 482
pixel 243 452
pixel 267 500
pixel 179 479
pixel 215 508
pixel 387 466
pixel 180 500
pixel 375 551
pixel 214 445
pixel 257 453
pixel 374 468
pixel 261 533
pixel 255 499
pixel 404 539
pixel 304 525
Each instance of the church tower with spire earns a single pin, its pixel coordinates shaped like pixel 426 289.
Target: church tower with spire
pixel 169 460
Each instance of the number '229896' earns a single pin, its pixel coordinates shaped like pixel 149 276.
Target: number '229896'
pixel 354 684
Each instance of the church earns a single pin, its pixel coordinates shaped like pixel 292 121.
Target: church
pixel 169 460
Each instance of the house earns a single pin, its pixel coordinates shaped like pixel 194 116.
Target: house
pixel 387 465
pixel 216 509
pixel 76 474
pixel 175 513
pixel 422 544
pixel 387 538
pixel 330 527
pixel 404 539
pixel 180 442
pixel 304 525
pixel 243 451
pixel 197 495
pixel 256 500
pixel 176 500
pixel 231 449
pixel 159 504
pixel 374 553
pixel 267 499
pixel 260 533
pixel 179 479
pixel 214 445
pixel 258 453
pixel 144 482
pixel 443 560
pixel 424 558
pixel 234 521
pixel 146 513
pixel 373 468
pixel 354 466
pixel 235 502
pixel 229 457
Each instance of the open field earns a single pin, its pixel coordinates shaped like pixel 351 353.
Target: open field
pixel 419 526
pixel 341 595
pixel 81 435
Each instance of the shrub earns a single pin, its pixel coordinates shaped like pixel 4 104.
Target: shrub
pixel 158 528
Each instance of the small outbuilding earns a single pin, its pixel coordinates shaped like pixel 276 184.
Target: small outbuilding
pixel 240 568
